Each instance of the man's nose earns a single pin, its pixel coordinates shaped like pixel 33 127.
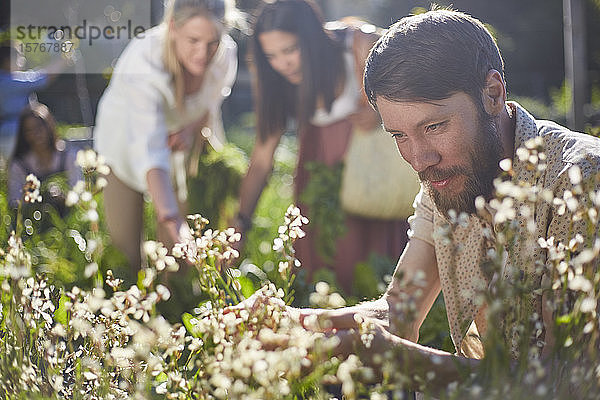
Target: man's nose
pixel 423 155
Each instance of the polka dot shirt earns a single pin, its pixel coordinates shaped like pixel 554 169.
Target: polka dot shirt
pixel 461 260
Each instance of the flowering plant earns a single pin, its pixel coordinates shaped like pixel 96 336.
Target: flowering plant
pixel 110 342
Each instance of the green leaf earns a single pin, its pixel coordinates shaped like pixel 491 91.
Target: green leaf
pixel 322 197
pixel 564 319
pixel 247 286
pixel 160 378
pixel 189 326
pixel 60 315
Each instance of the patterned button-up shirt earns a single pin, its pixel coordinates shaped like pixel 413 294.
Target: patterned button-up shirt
pixel 459 260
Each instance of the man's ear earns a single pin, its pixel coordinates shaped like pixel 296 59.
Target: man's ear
pixel 494 93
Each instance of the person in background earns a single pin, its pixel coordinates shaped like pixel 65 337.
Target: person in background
pixel 162 103
pixel 37 151
pixel 17 88
pixel 312 75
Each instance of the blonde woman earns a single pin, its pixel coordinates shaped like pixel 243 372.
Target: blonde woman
pixel 163 100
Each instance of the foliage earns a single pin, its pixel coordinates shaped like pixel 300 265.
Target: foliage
pixel 322 198
pixel 213 190
pixel 92 344
pixel 370 276
pixel 278 193
pixel 72 247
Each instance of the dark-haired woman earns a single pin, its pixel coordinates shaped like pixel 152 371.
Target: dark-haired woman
pixel 38 152
pixel 311 73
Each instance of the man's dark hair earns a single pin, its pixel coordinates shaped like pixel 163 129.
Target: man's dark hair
pixel 432 56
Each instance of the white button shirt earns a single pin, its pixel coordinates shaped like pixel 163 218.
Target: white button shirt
pixel 138 109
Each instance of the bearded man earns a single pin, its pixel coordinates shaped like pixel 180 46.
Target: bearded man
pixel 437 81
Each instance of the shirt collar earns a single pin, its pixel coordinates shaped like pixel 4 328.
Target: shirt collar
pixel 525 129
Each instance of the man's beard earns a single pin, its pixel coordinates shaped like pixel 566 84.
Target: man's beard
pixel 484 155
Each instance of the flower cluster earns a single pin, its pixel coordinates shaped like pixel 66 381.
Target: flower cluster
pixel 322 297
pixel 543 292
pixel 254 354
pixel 82 343
pixel 283 244
pixel 91 162
pixel 31 189
pixel 94 172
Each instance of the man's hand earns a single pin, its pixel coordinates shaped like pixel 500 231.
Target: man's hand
pixel 365 342
pixel 344 318
pixel 259 301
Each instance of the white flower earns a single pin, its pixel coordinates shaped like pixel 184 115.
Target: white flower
pixel 31 189
pixel 122 356
pixel 322 288
pixel 162 388
pixel 90 270
pixel 283 266
pixel 163 292
pixel 90 376
pixel 575 175
pixel 277 244
pixel 588 305
pixel 505 210
pixel 336 300
pixel 506 164
pixel 579 282
pixel 72 198
pixel 90 162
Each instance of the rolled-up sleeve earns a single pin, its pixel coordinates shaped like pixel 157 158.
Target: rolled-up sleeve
pixel 146 122
pixel 421 222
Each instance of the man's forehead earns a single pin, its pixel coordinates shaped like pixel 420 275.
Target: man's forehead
pixel 402 114
pixel 415 111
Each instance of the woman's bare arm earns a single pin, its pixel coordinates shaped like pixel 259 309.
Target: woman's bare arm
pixel 261 165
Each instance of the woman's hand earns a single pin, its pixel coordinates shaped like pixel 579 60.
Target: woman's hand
pixel 183 139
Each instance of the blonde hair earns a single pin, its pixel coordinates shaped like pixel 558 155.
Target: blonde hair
pixel 178 12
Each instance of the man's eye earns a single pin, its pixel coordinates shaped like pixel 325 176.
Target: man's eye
pixel 399 136
pixel 434 127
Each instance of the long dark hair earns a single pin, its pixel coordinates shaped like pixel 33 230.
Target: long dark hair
pixel 41 112
pixel 322 59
